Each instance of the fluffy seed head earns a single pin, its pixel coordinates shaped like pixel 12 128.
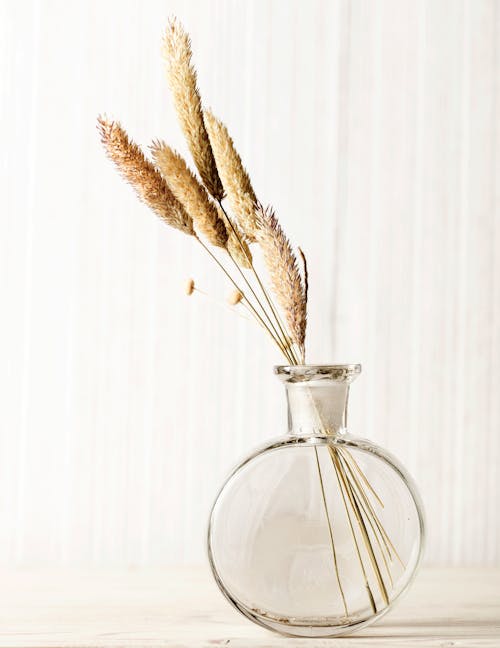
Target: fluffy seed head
pixel 142 175
pixel 284 274
pixel 182 80
pixel 234 176
pixel 190 193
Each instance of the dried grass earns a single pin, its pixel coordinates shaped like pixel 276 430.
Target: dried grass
pixel 233 174
pixel 141 174
pixel 284 274
pixel 183 84
pixel 191 193
pixel 180 199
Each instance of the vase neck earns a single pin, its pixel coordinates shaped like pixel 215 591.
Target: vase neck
pixel 317 410
pixel 317 398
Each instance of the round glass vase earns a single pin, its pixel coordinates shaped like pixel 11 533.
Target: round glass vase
pixel 318 532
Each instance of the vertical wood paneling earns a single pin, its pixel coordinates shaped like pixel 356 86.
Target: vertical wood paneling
pixel 373 130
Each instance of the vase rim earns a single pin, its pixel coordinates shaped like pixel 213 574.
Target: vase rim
pixel 345 373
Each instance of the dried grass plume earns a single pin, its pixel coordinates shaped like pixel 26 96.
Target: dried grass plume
pixel 193 195
pixel 183 84
pixel 142 175
pixel 235 178
pixel 284 274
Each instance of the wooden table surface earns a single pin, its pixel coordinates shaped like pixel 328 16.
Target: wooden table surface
pixel 182 607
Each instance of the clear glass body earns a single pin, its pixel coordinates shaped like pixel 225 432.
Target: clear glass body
pixel 317 533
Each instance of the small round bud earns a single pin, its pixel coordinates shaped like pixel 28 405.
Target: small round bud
pixel 234 298
pixel 189 287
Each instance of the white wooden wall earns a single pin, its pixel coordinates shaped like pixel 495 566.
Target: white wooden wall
pixel 373 128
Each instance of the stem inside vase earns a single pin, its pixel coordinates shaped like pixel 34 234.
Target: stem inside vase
pixel 317 406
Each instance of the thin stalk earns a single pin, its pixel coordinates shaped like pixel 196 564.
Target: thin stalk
pixel 261 323
pixel 367 584
pixel 387 541
pixel 275 332
pixel 273 308
pixel 363 477
pixel 330 530
pixel 381 543
pixel 250 305
pixel 366 505
pixel 362 528
pixel 224 305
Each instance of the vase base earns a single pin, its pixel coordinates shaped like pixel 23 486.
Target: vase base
pixel 311 627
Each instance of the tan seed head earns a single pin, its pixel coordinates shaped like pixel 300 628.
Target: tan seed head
pixel 190 193
pixel 234 298
pixel 141 174
pixel 189 287
pixel 183 83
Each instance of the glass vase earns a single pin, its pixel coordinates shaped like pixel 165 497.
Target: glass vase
pixel 318 532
